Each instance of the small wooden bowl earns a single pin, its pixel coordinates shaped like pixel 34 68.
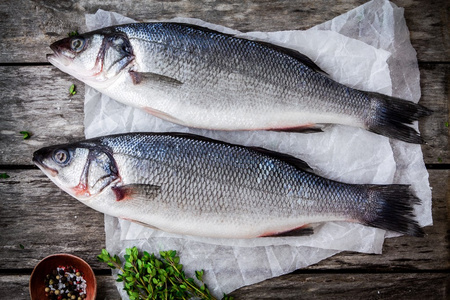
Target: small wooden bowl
pixel 50 263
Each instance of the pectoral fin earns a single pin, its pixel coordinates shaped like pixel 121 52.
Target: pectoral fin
pixel 307 128
pixel 153 79
pixel 161 115
pixel 141 223
pixel 301 231
pixel 136 191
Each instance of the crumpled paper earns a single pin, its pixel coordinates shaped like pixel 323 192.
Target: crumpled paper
pixel 367 48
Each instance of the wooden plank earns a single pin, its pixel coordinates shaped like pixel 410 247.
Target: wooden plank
pixel 26 38
pixel 350 286
pixel 74 228
pixel 296 286
pixel 16 287
pixel 44 220
pixel 435 87
pixel 36 98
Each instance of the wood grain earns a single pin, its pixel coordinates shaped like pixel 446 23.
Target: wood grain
pixel 297 286
pixel 16 287
pixel 38 219
pixel 36 99
pixel 350 286
pixel 435 87
pixel 75 228
pixel 42 105
pixel 26 38
pixel 44 220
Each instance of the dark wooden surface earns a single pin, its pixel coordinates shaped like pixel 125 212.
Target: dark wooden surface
pixel 35 214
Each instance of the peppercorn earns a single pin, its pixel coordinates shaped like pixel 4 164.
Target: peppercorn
pixel 66 277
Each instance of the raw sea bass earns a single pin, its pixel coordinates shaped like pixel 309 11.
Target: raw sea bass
pixel 201 78
pixel 190 185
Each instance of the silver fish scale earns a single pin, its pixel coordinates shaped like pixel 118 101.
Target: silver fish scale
pixel 209 179
pixel 221 63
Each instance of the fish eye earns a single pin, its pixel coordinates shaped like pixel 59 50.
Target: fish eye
pixel 61 156
pixel 77 44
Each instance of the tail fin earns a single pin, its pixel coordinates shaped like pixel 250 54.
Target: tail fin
pixel 391 116
pixel 391 208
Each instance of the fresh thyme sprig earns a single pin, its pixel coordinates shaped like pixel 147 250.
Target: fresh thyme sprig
pixel 148 277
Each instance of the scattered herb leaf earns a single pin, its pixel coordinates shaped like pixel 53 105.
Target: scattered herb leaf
pixel 26 134
pixel 4 175
pixel 72 90
pixel 446 124
pixel 21 246
pixel 72 33
pixel 439 159
pixel 145 276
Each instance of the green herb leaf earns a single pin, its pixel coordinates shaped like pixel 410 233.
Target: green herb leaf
pixel 446 124
pixel 439 159
pixel 199 275
pixel 72 33
pixel 26 134
pixel 21 246
pixel 4 175
pixel 145 276
pixel 111 265
pixel 72 90
pixel 226 297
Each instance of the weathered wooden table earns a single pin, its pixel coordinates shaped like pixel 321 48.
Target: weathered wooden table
pixel 37 219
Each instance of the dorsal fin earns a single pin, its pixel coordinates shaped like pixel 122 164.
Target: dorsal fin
pixel 294 54
pixel 292 160
pixel 290 52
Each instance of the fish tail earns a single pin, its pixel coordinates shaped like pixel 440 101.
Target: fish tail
pixel 390 207
pixel 391 117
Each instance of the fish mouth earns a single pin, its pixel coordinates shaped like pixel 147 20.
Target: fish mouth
pixel 58 60
pixel 60 55
pixel 38 161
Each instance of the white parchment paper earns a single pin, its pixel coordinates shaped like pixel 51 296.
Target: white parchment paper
pixel 367 48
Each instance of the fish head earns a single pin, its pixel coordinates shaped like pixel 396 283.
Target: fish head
pixel 96 58
pixel 81 170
